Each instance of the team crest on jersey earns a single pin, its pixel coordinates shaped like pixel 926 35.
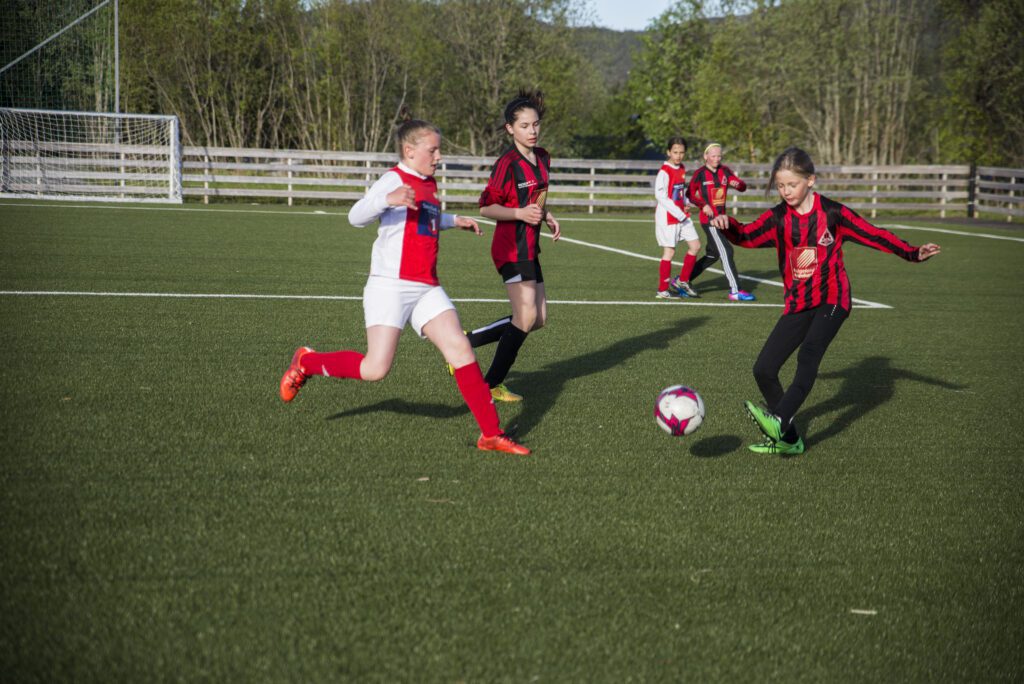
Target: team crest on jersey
pixel 803 261
pixel 429 220
pixel 826 239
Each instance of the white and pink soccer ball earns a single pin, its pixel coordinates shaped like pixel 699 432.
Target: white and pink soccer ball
pixel 679 410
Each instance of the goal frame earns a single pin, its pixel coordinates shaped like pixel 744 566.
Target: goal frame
pixel 15 152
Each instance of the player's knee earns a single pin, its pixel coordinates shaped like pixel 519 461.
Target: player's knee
pixel 764 371
pixel 374 371
pixel 525 319
pixel 539 322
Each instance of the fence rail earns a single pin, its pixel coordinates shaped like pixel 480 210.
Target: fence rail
pixel 591 184
pixel 999 191
pixel 577 183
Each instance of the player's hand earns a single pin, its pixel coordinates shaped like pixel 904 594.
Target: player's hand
pixel 403 196
pixel 467 223
pixel 531 214
pixel 927 251
pixel 734 183
pixel 556 230
pixel 708 211
pixel 720 222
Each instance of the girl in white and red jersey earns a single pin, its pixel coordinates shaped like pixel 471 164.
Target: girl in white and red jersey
pixel 403 286
pixel 808 232
pixel 672 222
pixel 515 197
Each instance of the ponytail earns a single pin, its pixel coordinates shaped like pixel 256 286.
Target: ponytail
pixel 408 130
pixel 526 99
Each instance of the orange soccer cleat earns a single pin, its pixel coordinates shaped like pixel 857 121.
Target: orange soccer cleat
pixel 293 378
pixel 501 442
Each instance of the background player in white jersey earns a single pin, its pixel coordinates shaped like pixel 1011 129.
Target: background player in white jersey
pixel 672 222
pixel 403 285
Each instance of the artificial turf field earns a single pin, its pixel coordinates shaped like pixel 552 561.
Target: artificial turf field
pixel 165 516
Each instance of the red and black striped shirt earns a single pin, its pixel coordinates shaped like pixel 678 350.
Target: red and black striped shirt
pixel 709 188
pixel 810 249
pixel 516 183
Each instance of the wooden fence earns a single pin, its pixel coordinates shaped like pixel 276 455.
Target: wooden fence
pixel 999 191
pixel 289 175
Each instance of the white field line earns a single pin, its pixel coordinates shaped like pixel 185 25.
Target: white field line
pixel 340 298
pixel 862 303
pixel 957 232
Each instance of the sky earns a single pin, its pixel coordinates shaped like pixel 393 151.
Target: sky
pixel 631 15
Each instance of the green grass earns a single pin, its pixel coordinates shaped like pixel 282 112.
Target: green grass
pixel 165 516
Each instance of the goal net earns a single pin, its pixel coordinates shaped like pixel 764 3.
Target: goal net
pixel 89 156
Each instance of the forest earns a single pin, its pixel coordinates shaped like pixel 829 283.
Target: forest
pixel 855 82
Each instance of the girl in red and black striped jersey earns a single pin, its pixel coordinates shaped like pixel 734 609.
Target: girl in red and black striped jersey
pixel 708 189
pixel 808 232
pixel 515 197
pixel 403 286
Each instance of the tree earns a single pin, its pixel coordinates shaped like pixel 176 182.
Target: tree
pixel 661 87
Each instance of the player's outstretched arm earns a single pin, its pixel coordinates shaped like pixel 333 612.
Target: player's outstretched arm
pixel 927 251
pixel 467 223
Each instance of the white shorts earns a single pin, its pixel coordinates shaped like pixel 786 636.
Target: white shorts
pixel 394 302
pixel 670 235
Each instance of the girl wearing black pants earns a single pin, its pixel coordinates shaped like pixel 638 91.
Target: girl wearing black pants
pixel 808 232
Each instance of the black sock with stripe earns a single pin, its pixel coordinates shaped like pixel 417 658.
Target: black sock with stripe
pixel 508 348
pixel 490 333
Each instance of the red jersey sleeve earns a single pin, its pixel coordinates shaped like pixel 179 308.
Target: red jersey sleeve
pixel 499 188
pixel 693 191
pixel 730 176
pixel 853 227
pixel 761 232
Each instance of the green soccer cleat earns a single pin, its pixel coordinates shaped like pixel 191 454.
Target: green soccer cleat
pixel 767 423
pixel 502 393
pixel 779 448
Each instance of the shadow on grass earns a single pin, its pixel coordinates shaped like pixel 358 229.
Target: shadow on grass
pixel 403 406
pixel 715 447
pixel 545 385
pixel 866 386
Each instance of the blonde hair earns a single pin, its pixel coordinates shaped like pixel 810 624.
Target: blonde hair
pixel 410 130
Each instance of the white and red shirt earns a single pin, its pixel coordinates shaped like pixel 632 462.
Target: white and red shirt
pixel 407 239
pixel 670 191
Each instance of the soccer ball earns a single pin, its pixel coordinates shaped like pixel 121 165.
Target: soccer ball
pixel 679 410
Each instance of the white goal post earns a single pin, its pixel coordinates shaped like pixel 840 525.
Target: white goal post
pixel 48 154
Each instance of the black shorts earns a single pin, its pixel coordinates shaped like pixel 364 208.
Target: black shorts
pixel 519 271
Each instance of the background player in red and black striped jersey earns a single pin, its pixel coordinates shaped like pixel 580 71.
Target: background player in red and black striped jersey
pixel 708 190
pixel 515 197
pixel 808 232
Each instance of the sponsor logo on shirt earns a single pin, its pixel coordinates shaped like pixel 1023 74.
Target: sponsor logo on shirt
pixel 803 261
pixel 526 184
pixel 429 221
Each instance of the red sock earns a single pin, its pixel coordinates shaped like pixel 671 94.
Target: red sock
pixel 688 263
pixel 339 364
pixel 664 274
pixel 478 397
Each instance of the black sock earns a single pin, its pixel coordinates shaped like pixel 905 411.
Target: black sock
pixel 508 348
pixel 791 435
pixel 491 332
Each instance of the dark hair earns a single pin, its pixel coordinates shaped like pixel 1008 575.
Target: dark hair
pixel 676 140
pixel 792 159
pixel 526 99
pixel 408 130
